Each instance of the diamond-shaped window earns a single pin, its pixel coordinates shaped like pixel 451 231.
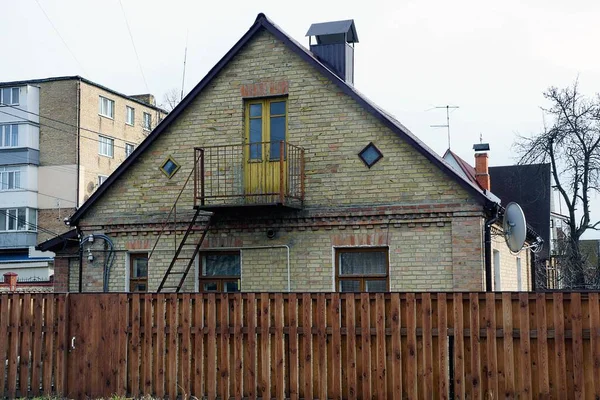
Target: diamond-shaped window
pixel 370 155
pixel 169 167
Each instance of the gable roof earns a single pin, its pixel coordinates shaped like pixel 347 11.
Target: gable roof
pixel 262 22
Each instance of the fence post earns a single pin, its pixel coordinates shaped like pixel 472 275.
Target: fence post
pixel 11 279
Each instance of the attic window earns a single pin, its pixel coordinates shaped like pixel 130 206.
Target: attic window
pixel 169 167
pixel 370 155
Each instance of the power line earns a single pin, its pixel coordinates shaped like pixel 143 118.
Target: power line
pixel 24 221
pixel 60 36
pixel 133 44
pixel 64 123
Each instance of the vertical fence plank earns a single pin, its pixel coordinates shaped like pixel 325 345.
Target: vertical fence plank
pixel 307 345
pixel 442 323
pixel 351 346
pixel 459 347
pixel 133 358
pixel 4 324
pixel 321 375
pixel 475 383
pixel 60 376
pixel 594 307
pixel 211 347
pixel 336 341
pixel 25 345
pixel 223 375
pixel 577 329
pixel 36 356
pixel 293 347
pixel 171 346
pixel 159 354
pixel 265 347
pixel 49 336
pixel 238 356
pixel 411 333
pixel 365 324
pixel 13 345
pixel 491 356
pixel 396 375
pixel 279 344
pixel 428 386
pixel 542 346
pixel 121 341
pixel 185 324
pixel 560 347
pixel 250 357
pixel 509 360
pixel 147 352
pixel 381 350
pixel 198 371
pixel 524 367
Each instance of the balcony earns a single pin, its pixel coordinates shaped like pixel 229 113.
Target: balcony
pixel 235 176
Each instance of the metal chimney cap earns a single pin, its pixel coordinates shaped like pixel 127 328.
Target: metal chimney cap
pixel 345 27
pixel 481 147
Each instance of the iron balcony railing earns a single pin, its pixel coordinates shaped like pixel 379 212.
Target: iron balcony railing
pixel 263 173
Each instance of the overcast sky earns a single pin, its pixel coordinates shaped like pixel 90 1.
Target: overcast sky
pixel 492 59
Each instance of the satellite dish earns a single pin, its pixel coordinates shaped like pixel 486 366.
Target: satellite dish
pixel 515 228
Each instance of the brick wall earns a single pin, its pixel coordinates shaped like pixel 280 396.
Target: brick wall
pixel 508 265
pixel 435 227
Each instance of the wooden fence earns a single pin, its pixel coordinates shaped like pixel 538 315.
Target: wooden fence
pixel 302 346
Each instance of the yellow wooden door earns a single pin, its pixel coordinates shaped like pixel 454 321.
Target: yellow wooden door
pixel 266 128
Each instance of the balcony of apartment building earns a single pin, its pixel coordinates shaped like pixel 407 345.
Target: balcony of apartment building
pixel 256 174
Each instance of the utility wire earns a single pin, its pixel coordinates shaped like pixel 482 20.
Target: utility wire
pixel 62 130
pixel 24 221
pixel 133 44
pixel 60 36
pixel 5 187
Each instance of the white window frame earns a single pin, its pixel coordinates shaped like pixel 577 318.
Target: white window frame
pixel 7 135
pixel 29 225
pixel 519 276
pixel 10 102
pixel 147 121
pixel 106 107
pixel 129 148
pixel 106 146
pixel 130 121
pixel 8 174
pixel 102 179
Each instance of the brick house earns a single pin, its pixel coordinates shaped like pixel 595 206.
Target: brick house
pixel 276 174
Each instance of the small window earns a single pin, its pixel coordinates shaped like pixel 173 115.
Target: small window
pixel 362 269
pixel 147 122
pixel 169 167
pixel 128 149
pixel 220 271
pixel 10 178
pixel 9 96
pixel 107 107
pixel 106 146
pixel 519 277
pixel 138 272
pixel 18 219
pixel 497 280
pixel 130 117
pixel 102 179
pixel 9 135
pixel 370 155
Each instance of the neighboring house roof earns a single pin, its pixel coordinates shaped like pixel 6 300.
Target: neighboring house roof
pixel 529 186
pixel 262 22
pixel 82 79
pixel 465 167
pixel 60 242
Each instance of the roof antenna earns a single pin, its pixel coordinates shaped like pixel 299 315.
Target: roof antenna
pixel 184 61
pixel 447 125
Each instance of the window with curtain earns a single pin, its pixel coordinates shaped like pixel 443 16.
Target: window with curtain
pixel 362 269
pixel 220 271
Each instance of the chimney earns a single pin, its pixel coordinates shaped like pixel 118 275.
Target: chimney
pixel 482 174
pixel 145 98
pixel 334 46
pixel 11 279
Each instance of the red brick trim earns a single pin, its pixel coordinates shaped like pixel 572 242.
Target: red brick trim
pixel 264 89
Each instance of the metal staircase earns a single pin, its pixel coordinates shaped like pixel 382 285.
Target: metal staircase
pixel 183 260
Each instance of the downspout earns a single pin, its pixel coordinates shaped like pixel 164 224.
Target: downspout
pixel 79 233
pixel 78 141
pixel 488 247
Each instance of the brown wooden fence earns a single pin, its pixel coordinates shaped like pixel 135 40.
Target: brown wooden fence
pixel 301 346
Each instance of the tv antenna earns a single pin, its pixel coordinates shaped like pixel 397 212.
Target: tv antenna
pixel 514 226
pixel 184 60
pixel 447 126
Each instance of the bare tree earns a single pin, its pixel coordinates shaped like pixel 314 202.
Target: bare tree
pixel 571 144
pixel 170 99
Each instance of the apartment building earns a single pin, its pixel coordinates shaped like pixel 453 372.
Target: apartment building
pixel 60 138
